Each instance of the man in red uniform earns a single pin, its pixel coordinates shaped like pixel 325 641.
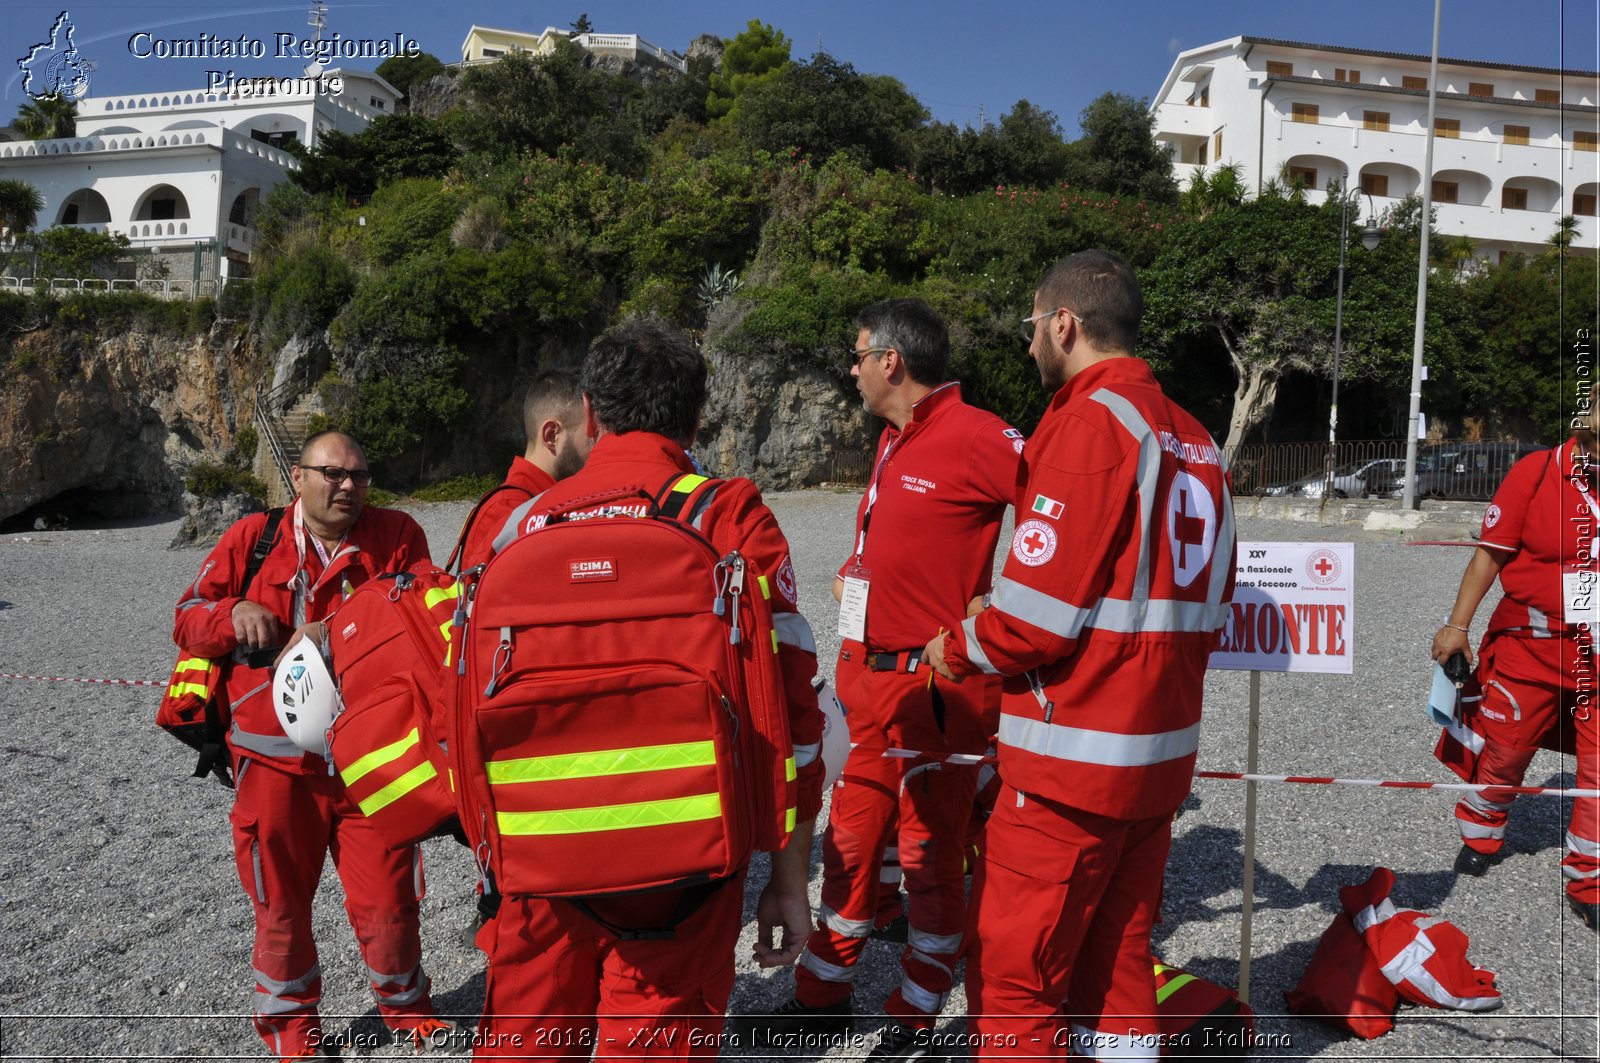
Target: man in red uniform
pixel 289 811
pixel 944 473
pixel 1536 662
pixel 561 984
pixel 1102 621
pixel 552 419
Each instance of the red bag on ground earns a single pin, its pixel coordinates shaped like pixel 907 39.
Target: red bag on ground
pixel 1343 986
pixel 1423 956
pixel 1199 1019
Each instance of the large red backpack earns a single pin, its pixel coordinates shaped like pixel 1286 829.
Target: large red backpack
pixel 619 724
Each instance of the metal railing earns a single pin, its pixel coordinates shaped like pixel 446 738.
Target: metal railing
pixel 1450 469
pixel 160 289
pixel 267 425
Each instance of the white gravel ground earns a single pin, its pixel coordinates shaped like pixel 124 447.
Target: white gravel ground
pixel 124 933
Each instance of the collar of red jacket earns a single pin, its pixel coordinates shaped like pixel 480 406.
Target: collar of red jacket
pixel 1125 369
pixel 926 408
pixel 636 447
pixel 528 476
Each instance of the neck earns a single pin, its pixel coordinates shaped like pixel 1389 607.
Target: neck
pixel 542 460
pixel 328 537
pixel 903 407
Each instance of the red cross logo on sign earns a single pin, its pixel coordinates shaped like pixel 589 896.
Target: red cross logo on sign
pixel 1323 567
pixel 1191 527
pixel 1034 543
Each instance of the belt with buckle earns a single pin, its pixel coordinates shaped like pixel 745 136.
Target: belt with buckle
pixel 901 661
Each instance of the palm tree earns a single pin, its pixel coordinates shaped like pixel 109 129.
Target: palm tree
pixel 47 118
pixel 1566 232
pixel 1213 190
pixel 20 204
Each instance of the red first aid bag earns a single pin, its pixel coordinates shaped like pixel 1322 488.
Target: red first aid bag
pixel 1199 1019
pixel 620 725
pixel 1343 986
pixel 390 649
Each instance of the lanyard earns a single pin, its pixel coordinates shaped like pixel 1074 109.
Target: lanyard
pixel 872 495
pixel 299 583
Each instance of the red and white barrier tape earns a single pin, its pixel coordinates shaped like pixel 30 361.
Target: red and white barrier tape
pixel 99 682
pixel 1314 780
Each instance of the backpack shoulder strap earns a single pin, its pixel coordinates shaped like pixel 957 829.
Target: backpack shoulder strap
pixel 263 547
pixel 472 518
pixel 684 498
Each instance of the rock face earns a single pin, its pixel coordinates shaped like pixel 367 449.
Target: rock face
pixel 205 519
pixel 110 425
pixel 433 97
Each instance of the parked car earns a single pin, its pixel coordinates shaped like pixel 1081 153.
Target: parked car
pixel 1355 479
pixel 1464 470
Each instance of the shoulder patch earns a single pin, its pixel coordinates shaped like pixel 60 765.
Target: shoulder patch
pixel 786 582
pixel 1034 543
pixel 1491 516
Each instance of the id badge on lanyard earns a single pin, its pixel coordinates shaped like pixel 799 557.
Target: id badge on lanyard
pixel 853 603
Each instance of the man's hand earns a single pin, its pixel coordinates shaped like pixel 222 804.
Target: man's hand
pixel 255 626
pixel 933 657
pixel 781 909
pixel 313 631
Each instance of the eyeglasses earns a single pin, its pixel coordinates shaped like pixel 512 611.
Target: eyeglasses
pixel 337 474
pixel 857 357
pixel 1027 322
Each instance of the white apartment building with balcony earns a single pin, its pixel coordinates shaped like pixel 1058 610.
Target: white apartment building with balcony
pixel 178 171
pixel 484 44
pixel 1515 147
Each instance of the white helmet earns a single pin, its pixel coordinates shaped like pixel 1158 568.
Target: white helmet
pixel 305 697
pixel 835 733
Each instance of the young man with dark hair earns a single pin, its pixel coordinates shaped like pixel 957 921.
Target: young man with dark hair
pixel 944 473
pixel 1119 578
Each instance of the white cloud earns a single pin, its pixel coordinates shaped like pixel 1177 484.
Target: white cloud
pixel 1174 46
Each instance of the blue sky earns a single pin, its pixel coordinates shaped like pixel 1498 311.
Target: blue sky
pixel 957 58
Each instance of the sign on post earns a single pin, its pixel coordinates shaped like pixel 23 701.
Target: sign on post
pixel 1293 609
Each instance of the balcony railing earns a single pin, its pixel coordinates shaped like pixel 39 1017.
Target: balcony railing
pixel 160 289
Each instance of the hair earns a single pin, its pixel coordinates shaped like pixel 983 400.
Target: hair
pixel 646 375
pixel 913 328
pixel 314 437
pixel 552 393
pixel 1103 291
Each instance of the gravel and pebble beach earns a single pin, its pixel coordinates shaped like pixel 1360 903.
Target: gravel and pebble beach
pixel 124 932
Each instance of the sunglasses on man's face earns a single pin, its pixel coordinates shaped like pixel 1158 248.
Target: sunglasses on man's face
pixel 337 474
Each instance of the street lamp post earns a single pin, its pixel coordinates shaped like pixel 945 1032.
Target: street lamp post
pixel 1370 235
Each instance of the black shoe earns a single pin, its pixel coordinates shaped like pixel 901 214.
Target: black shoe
pixel 1471 862
pixel 1589 913
pixel 795 1024
pixel 899 1041
pixel 897 930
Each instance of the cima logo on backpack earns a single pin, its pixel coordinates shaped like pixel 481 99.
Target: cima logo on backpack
pixel 619 724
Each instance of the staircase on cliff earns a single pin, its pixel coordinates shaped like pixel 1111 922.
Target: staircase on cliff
pixel 283 416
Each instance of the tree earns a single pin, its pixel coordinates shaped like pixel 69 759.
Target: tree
pixel 582 25
pixel 47 118
pixel 405 71
pixel 391 147
pixel 823 106
pixel 1118 152
pixel 67 251
pixel 1028 147
pixel 754 57
pixel 1567 230
pixel 20 204
pixel 1218 189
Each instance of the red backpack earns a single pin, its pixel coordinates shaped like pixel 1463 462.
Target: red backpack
pixel 619 724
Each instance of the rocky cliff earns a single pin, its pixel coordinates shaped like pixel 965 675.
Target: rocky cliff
pixel 109 425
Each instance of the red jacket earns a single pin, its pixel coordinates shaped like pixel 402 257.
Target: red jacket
pixel 382 540
pixel 1541 522
pixel 529 481
pixel 736 519
pixel 940 490
pixel 1118 580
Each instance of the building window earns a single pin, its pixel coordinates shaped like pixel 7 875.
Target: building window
pixel 493 53
pixel 163 209
pixel 1513 199
pixel 272 140
pixel 1279 70
pixel 1479 88
pixel 1378 120
pixel 1414 83
pixel 1446 191
pixel 1205 96
pixel 1586 140
pixel 377 104
pixel 1546 95
pixel 1448 128
pixel 1352 76
pixel 1305 112
pixel 1216 144
pixel 1516 134
pixel 1200 155
pixel 69 215
pixel 1303 176
pixel 1584 203
pixel 1375 184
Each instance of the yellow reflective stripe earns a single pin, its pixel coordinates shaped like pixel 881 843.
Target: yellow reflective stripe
pixel 1172 987
pixel 774 640
pixel 766 589
pixel 789 820
pixel 602 762
pixel 199 664
pixel 688 482
pixel 378 758
pixel 434 595
pixel 399 788
pixel 611 817
pixel 789 772
pixel 180 689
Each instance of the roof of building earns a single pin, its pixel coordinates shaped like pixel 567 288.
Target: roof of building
pixel 1482 64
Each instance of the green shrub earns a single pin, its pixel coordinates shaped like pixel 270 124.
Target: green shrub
pixel 213 481
pixel 299 295
pixel 456 489
pixel 245 443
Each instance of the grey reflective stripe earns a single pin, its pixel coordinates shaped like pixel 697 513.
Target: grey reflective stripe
pixel 921 939
pixel 270 996
pixel 890 874
pixel 512 528
pixel 265 745
pixel 891 854
pixel 1516 706
pixel 975 654
pixel 1097 747
pixel 1061 618
pixel 400 998
pixel 805 754
pixel 255 864
pixel 1407 966
pixel 925 1001
pixel 828 972
pixel 1149 476
pixel 1372 915
pixel 1538 623
pixel 850 928
pixel 1478 802
pixel 1478 830
pixel 920 769
pixel 694 516
pixel 1578 876
pixel 1582 846
pixel 416 871
pixel 794 631
pixel 1098 1044
pixel 1220 569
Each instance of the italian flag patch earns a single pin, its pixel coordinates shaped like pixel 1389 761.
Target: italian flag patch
pixel 1047 506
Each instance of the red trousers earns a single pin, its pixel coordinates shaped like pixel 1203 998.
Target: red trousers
pixel 562 986
pixel 922 811
pixel 1062 906
pixel 1533 696
pixel 284 827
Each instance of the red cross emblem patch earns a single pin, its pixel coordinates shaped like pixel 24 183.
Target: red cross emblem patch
pixel 1034 543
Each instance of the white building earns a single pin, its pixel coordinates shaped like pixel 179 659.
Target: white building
pixel 1515 147
pixel 181 173
pixel 485 44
